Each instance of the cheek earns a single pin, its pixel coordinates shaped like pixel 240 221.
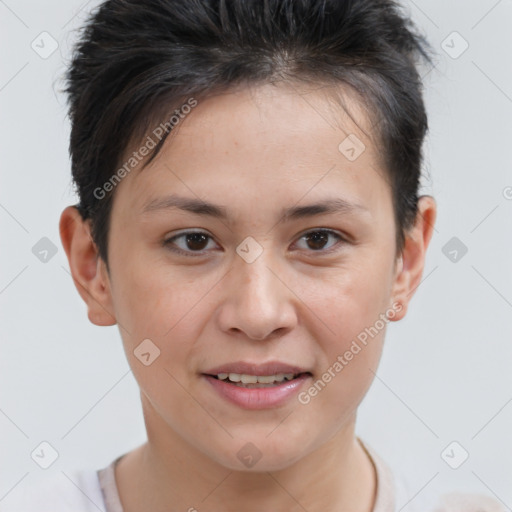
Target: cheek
pixel 351 311
pixel 152 298
pixel 165 308
pixel 349 300
pixel 169 310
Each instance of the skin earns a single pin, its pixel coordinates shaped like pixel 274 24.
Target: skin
pixel 254 151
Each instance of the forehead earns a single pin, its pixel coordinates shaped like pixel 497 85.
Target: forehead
pixel 285 136
pixel 276 116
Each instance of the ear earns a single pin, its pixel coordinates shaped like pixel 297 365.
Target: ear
pixel 411 262
pixel 88 270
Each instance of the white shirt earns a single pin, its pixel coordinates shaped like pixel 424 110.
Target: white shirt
pixel 96 490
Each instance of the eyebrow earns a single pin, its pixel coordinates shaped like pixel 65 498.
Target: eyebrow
pixel 201 207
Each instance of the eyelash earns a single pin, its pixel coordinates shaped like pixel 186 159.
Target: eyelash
pixel 169 241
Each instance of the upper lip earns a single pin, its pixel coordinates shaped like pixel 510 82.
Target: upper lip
pixel 245 368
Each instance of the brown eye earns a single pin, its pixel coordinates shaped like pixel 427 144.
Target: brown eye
pixel 189 242
pixel 317 240
pixel 196 241
pixel 322 240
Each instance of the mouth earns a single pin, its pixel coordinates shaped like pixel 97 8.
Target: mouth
pixel 245 380
pixel 257 386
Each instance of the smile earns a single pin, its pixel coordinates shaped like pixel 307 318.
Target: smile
pixel 257 392
pixel 255 381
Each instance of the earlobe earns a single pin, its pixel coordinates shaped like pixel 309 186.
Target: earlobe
pixel 410 265
pixel 87 268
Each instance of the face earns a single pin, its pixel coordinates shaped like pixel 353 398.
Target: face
pixel 220 261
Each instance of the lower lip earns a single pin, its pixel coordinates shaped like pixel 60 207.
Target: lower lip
pixel 258 398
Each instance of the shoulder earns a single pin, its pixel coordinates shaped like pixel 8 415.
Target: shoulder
pixel 76 490
pixel 395 492
pixel 408 501
pixel 468 502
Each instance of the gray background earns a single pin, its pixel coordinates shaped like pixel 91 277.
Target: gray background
pixel 446 370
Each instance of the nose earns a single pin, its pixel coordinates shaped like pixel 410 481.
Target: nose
pixel 256 300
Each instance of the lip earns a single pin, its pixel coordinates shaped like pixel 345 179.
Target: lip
pixel 268 368
pixel 257 398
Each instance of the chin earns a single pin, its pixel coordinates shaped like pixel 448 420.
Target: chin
pixel 259 455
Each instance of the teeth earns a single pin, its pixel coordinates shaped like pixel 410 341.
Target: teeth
pixel 266 379
pixel 248 379
pixel 255 379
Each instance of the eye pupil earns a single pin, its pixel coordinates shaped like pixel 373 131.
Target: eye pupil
pixel 318 238
pixel 196 241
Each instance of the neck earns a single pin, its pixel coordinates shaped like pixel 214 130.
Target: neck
pixel 167 473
